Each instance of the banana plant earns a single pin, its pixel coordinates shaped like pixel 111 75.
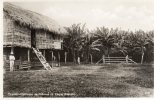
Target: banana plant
pixel 74 41
pixel 140 44
pixel 104 39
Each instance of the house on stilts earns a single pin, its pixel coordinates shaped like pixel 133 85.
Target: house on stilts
pixel 34 39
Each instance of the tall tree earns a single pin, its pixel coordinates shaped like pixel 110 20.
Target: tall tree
pixel 140 43
pixel 74 41
pixel 89 47
pixel 105 39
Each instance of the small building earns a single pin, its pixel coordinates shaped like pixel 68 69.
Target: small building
pixel 24 30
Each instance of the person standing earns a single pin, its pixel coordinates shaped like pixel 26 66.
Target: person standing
pixel 11 58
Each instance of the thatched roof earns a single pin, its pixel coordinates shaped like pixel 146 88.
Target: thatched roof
pixel 32 19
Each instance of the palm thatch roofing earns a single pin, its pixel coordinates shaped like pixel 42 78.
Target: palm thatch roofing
pixel 32 20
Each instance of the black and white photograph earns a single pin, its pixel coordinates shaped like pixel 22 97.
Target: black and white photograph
pixel 77 48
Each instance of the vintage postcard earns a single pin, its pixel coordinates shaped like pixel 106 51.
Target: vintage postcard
pixel 78 48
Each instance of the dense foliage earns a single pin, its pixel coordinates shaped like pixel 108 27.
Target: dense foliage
pixel 90 46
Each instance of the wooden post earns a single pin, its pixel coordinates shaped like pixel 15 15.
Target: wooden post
pixel 44 53
pixel 28 52
pixel 12 59
pixel 12 50
pixel 103 59
pixel 52 59
pixel 58 58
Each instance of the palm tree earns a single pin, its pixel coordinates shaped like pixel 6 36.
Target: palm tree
pixel 107 41
pixel 74 41
pixel 93 47
pixel 104 39
pixel 89 47
pixel 120 46
pixel 140 43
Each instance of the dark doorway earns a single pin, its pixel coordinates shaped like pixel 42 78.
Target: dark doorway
pixel 33 38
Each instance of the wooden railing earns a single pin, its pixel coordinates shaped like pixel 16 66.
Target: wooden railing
pixel 25 65
pixel 116 60
pixel 17 64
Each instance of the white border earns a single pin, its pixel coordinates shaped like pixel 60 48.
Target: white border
pixel 1 55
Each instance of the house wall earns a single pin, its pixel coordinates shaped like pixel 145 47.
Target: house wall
pixel 15 34
pixel 45 40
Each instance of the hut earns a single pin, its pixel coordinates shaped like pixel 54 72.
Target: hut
pixel 24 30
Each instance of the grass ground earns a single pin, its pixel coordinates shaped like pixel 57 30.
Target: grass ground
pixel 82 81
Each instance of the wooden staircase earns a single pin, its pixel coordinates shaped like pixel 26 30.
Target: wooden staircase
pixel 42 59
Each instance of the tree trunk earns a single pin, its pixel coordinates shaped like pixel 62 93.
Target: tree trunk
pixel 52 59
pixel 108 54
pixel 74 56
pixel 65 57
pixel 87 58
pixel 127 59
pixel 103 59
pixel 91 58
pixel 78 60
pixel 142 58
pixel 58 59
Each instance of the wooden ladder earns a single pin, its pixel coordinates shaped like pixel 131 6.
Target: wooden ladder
pixel 42 59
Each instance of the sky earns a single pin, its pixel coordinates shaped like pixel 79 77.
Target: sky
pixel 124 14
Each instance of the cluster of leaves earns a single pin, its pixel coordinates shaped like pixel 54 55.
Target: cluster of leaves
pixel 109 42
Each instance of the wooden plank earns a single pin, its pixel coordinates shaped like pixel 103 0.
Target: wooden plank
pixel 115 61
pixel 114 57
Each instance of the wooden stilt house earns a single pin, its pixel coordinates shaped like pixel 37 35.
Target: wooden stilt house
pixel 25 31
